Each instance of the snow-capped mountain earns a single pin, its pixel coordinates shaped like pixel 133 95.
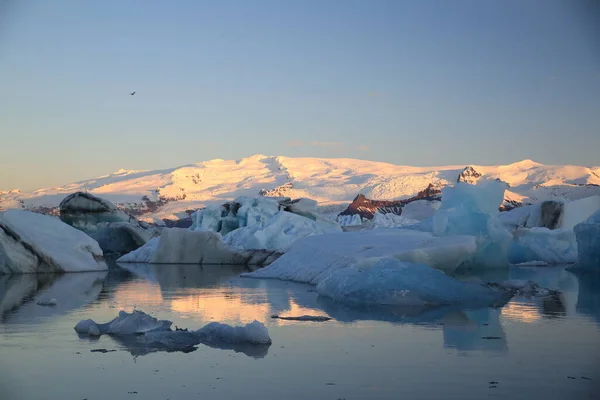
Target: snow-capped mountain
pixel 169 193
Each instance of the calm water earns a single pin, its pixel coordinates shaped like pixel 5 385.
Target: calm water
pixel 532 348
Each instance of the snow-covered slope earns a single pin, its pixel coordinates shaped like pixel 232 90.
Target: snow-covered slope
pixel 170 192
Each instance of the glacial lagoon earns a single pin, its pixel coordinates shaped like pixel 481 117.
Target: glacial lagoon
pixel 529 348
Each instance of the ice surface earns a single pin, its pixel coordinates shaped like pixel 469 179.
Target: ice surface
pixel 314 257
pixel 261 223
pixel 551 246
pixel 277 233
pixel 114 230
pixel 254 333
pixel 139 329
pixel 391 220
pixel 588 242
pixel 181 246
pixel 387 281
pixel 578 211
pixel 473 210
pixel 349 220
pixel 420 209
pixel 32 243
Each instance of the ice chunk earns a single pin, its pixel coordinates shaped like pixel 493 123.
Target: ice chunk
pixel 114 230
pixel 140 329
pixel 387 281
pixel 391 220
pixel 473 210
pixel 517 217
pixel 557 246
pixel 254 333
pixel 588 242
pixel 312 258
pixel 279 232
pixel 420 209
pixel 578 211
pixel 181 246
pixel 31 243
pixel 349 220
pixel 143 254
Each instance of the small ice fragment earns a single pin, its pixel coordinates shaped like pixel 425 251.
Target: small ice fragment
pixel 47 302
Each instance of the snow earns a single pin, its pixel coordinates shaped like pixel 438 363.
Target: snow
pixel 33 243
pixel 329 181
pixel 551 246
pixel 312 258
pixel 387 281
pixel 145 330
pixel 182 246
pixel 473 210
pixel 588 241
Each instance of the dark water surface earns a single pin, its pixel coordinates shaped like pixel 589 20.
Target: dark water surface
pixel 529 349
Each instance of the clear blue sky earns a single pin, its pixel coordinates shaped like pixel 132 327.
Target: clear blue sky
pixel 408 82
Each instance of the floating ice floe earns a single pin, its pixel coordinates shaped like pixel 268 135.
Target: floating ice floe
pixel 551 246
pixel 35 243
pixel 138 329
pixel 312 258
pixel 182 246
pixel 263 223
pixel 387 281
pixel 588 242
pixel 115 231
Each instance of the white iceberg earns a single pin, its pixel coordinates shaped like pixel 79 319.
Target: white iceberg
pixel 181 246
pixel 263 223
pixel 34 243
pixel 588 242
pixel 550 246
pixel 420 209
pixel 473 210
pixel 277 233
pixel 390 220
pixel 138 329
pixel 312 258
pixel 387 281
pixel 349 220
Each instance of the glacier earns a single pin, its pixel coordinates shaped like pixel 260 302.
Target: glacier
pixel 587 234
pixel 114 230
pixel 138 329
pixel 36 243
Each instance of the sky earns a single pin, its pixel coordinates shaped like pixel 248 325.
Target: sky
pixel 411 82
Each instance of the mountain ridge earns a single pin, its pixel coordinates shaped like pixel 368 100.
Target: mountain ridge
pixel 170 192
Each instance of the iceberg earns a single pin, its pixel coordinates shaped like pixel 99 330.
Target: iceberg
pixel 588 242
pixel 551 246
pixel 114 230
pixel 182 246
pixel 138 329
pixel 473 210
pixel 312 258
pixel 349 220
pixel 390 220
pixel 277 233
pixel 263 223
pixel 420 209
pixel 35 243
pixel 387 281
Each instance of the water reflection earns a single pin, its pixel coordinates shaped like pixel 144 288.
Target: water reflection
pixel 588 299
pixel 19 294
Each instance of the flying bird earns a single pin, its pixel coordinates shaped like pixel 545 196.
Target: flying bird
pixel 132 93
